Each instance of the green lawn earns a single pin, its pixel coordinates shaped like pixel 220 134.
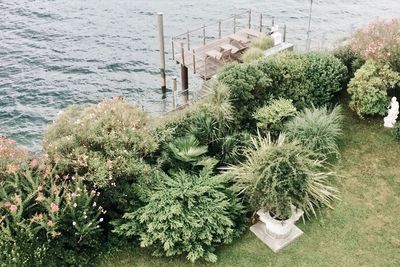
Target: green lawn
pixel 362 230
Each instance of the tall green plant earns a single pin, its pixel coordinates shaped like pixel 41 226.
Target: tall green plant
pixel 278 174
pixel 318 129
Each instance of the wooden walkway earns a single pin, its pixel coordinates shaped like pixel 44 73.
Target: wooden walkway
pixel 208 59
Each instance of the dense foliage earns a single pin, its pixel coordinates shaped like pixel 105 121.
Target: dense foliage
pixel 11 157
pixel 187 215
pixel 273 116
pixel 278 174
pixel 104 143
pixel 368 88
pixel 379 41
pixel 396 131
pixel 318 129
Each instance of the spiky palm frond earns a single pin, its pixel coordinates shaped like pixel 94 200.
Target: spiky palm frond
pixel 187 149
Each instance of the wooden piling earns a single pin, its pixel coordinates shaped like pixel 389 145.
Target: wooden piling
pixel 194 61
pixel 261 22
pixel 174 88
pixel 284 33
pixel 188 40
pixel 183 54
pixel 204 34
pixel 173 48
pixel 273 22
pixel 219 29
pixel 185 84
pixel 249 24
pixel 162 51
pixel 234 23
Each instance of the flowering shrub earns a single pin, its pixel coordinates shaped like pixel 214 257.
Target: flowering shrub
pixel 368 88
pixel 11 157
pixel 37 210
pixel 379 41
pixel 106 145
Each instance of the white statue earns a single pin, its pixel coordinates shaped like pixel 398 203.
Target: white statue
pixel 393 112
pixel 276 35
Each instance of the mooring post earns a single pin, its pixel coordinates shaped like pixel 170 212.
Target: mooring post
pixel 182 54
pixel 174 87
pixel 185 84
pixel 204 34
pixel 284 33
pixel 249 18
pixel 194 62
pixel 261 22
pixel 273 22
pixel 173 48
pixel 188 40
pixel 219 29
pixel 162 52
pixel 234 23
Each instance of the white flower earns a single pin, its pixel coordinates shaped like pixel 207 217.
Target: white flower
pixel 94 204
pixel 75 205
pixel 73 223
pixel 101 219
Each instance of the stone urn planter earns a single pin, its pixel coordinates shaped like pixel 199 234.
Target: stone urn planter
pixel 277 234
pixel 279 229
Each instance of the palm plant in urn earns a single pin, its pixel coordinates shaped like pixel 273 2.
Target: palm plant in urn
pixel 281 180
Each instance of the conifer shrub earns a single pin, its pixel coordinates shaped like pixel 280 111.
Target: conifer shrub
pixel 318 129
pixel 272 117
pixel 368 89
pixel 108 144
pixel 186 214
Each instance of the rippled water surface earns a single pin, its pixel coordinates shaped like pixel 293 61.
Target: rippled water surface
pixel 54 53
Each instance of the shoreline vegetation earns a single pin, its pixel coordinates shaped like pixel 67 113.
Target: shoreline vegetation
pixel 116 188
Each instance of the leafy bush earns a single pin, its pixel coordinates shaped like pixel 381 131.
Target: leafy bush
pixel 380 41
pixel 11 157
pixel 278 174
pixel 350 59
pixel 262 43
pixel 318 129
pixel 248 90
pixel 327 75
pixel 272 117
pixel 186 214
pixel 252 54
pixel 396 132
pixel 106 144
pixel 368 88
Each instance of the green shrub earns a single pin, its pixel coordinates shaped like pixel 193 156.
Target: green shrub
pixel 248 90
pixel 252 54
pixel 107 144
pixel 350 59
pixel 380 41
pixel 287 72
pixel 262 43
pixel 186 214
pixel 272 117
pixel 396 132
pixel 368 88
pixel 318 129
pixel 278 174
pixel 327 75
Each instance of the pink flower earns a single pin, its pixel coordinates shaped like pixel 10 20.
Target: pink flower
pixel 7 204
pixel 50 223
pixel 13 208
pixel 54 207
pixel 94 204
pixel 34 163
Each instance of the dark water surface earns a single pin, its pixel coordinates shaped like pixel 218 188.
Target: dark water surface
pixel 54 53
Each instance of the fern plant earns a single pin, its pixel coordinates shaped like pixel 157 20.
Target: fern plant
pixel 187 215
pixel 318 129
